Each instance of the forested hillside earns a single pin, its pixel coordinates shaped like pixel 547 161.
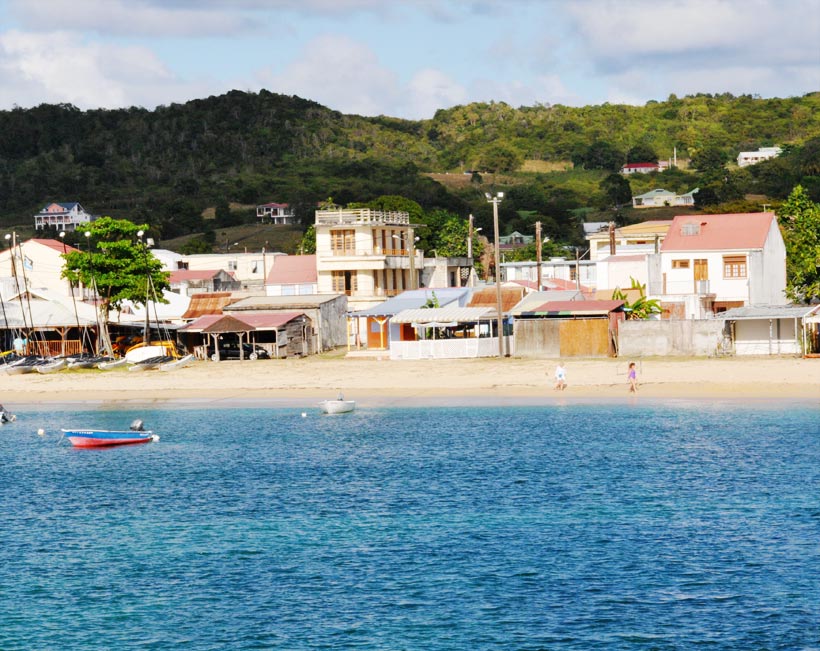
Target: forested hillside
pixel 166 166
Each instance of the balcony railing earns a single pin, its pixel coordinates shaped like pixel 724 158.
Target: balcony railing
pixel 361 216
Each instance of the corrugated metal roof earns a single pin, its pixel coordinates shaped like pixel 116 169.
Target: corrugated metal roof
pixel 300 302
pixel 536 299
pixel 576 308
pixel 487 297
pixel 769 312
pixel 202 304
pixel 449 314
pixel 245 323
pixel 415 298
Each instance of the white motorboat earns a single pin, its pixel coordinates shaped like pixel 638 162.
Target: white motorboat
pixel 339 406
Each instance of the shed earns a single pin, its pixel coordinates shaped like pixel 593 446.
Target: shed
pixel 773 329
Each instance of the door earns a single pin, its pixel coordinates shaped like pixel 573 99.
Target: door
pixel 701 272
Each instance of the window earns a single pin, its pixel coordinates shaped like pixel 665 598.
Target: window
pixel 343 242
pixel 344 282
pixel 680 264
pixel 734 266
pixel 231 265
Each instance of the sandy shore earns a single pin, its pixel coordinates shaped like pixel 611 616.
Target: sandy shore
pixel 380 381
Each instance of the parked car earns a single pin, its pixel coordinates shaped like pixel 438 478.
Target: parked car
pixel 230 350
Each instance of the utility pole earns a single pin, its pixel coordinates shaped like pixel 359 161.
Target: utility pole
pixel 538 256
pixel 495 200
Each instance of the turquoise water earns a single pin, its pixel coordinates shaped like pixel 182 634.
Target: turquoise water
pixel 635 526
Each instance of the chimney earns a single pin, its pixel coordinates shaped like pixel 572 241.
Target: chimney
pixel 611 238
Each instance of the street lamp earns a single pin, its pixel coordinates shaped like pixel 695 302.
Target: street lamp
pixel 495 200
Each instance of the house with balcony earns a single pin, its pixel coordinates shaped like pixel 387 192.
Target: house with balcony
pixel 746 158
pixel 62 217
pixel 711 263
pixel 275 213
pixel 367 255
pixel 643 237
pixel 659 198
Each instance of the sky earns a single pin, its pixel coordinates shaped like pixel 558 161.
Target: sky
pixel 404 58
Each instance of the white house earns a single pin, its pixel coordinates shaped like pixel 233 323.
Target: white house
pixel 640 168
pixel 249 269
pixel 368 255
pixel 643 237
pixel 35 264
pixel 62 217
pixel 292 275
pixel 711 263
pixel 556 273
pixel 660 197
pixel 275 213
pixel 746 158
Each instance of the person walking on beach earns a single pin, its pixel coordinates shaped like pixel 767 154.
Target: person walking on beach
pixel 633 378
pixel 560 377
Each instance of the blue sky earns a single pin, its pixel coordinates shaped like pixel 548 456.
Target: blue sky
pixel 404 58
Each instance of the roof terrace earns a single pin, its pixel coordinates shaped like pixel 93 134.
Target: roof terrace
pixel 361 216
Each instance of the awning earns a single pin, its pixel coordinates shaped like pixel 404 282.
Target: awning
pixel 451 316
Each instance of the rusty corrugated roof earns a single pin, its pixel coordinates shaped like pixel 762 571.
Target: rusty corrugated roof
pixel 202 304
pixel 486 297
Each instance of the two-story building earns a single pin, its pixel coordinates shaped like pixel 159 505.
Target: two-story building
pixel 746 158
pixel 711 263
pixel 62 217
pixel 368 255
pixel 275 213
pixel 644 237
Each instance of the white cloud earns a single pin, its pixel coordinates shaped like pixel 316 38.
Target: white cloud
pixel 128 18
pixel 59 68
pixel 428 91
pixel 680 34
pixel 340 73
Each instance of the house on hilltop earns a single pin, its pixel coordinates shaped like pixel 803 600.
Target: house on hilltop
pixel 62 217
pixel 275 213
pixel 660 197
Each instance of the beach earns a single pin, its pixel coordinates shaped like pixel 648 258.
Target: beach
pixel 379 381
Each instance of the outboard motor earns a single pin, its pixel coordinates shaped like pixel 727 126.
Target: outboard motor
pixel 137 426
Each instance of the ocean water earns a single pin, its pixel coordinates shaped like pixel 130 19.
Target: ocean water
pixel 627 526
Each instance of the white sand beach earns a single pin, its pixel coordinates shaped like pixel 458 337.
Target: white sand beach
pixel 381 381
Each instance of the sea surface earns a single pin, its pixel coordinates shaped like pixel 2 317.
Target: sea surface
pixel 642 525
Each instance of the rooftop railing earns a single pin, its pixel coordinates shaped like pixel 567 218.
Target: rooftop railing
pixel 361 216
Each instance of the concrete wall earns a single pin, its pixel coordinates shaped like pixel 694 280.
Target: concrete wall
pixel 670 338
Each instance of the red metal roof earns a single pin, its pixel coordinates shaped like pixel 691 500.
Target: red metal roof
pixel 292 270
pixel 717 232
pixel 54 244
pixel 240 323
pixel 640 165
pixel 207 304
pixel 181 275
pixel 578 307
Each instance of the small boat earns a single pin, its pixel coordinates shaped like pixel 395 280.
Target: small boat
pixel 5 416
pixel 176 363
pixel 338 406
pixel 151 363
pixel 108 363
pixel 98 438
pixel 49 366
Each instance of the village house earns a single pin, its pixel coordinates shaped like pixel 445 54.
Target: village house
pixel 367 255
pixel 746 158
pixel 275 213
pixel 292 275
pixel 62 217
pixel 659 198
pixel 640 168
pixel 711 263
pixel 36 264
pixel 643 237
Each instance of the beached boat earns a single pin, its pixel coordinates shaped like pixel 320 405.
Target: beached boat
pixel 98 438
pixel 51 365
pixel 338 406
pixel 176 363
pixel 111 362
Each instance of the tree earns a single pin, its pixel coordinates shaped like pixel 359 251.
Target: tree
pixel 643 308
pixel 641 153
pixel 308 244
pixel 799 218
pixel 617 189
pixel 119 266
pixel 600 155
pixel 708 160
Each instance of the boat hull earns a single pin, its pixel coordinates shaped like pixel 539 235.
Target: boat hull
pixel 90 438
pixel 337 406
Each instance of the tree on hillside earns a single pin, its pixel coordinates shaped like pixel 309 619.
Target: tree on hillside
pixel 617 190
pixel 708 159
pixel 799 218
pixel 599 155
pixel 641 153
pixel 118 266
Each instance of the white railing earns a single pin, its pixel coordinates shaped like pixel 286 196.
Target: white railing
pixel 447 348
pixel 361 216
